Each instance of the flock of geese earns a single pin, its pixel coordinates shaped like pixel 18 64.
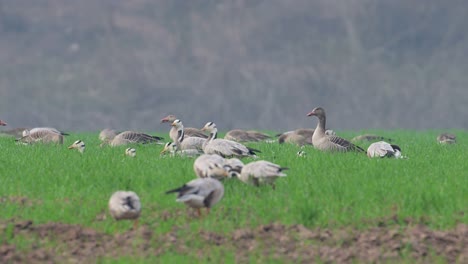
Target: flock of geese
pixel 217 159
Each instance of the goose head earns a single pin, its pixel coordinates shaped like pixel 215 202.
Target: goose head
pixel 318 112
pixel 79 145
pixel 169 147
pixel 2 123
pixel 168 119
pixel 210 126
pixel 130 152
pixel 177 124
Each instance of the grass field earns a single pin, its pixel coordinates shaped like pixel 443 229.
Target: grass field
pixel 51 184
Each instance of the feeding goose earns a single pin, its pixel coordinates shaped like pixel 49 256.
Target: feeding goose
pixel 234 166
pixel 41 135
pixel 189 131
pixel 200 193
pixel 224 147
pixel 125 205
pixel 369 137
pixel 446 138
pixel 2 123
pixel 240 135
pixel 47 129
pixel 325 142
pixel 78 145
pixel 383 149
pixel 261 172
pixel 171 147
pixel 210 165
pixel 131 152
pixel 182 142
pixel 128 137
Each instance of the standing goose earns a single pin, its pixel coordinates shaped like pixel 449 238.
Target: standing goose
pixel 210 165
pixel 224 147
pixel 240 135
pixel 200 193
pixel 41 135
pixel 182 142
pixel 189 131
pixel 383 149
pixel 78 145
pixel 131 152
pixel 128 137
pixel 171 147
pixel 125 205
pixel 261 172
pixel 325 142
pixel 446 138
pixel 2 123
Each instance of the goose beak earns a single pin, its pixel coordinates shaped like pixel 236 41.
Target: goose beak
pixel 311 113
pixel 162 152
pixel 173 124
pixel 164 120
pixel 70 147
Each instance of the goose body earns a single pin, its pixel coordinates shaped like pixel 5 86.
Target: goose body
pixel 239 135
pixel 325 142
pixel 300 136
pixel 171 148
pixel 125 205
pixel 78 145
pixel 200 193
pixel 48 129
pixel 128 137
pixel 261 172
pixel 446 138
pixel 189 131
pixel 210 166
pixel 383 149
pixel 107 134
pixel 41 135
pixel 224 147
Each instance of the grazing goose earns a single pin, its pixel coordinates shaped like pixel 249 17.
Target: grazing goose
pixel 224 147
pixel 234 167
pixel 370 138
pixel 189 131
pixel 182 142
pixel 261 172
pixel 131 152
pixel 41 135
pixel 239 135
pixel 171 147
pixel 210 165
pixel 128 137
pixel 383 149
pixel 325 142
pixel 78 145
pixel 2 123
pixel 49 129
pixel 125 205
pixel 446 138
pixel 199 193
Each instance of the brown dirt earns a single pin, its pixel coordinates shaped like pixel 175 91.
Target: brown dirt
pixel 65 243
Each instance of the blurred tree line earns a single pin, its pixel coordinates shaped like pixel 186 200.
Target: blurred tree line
pixel 263 64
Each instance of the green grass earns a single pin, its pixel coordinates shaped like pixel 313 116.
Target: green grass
pixel 321 189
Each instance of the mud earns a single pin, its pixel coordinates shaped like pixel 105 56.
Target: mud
pixel 65 243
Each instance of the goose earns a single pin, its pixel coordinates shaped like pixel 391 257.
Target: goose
pixel 369 137
pixel 224 147
pixel 182 142
pixel 125 205
pixel 128 137
pixel 41 135
pixel 446 138
pixel 3 123
pixel 189 131
pixel 171 147
pixel 234 166
pixel 49 129
pixel 131 152
pixel 78 145
pixel 200 193
pixel 325 142
pixel 210 165
pixel 300 136
pixel 261 172
pixel 383 149
pixel 107 134
pixel 240 135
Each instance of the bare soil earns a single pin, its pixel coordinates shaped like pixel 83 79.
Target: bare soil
pixel 65 243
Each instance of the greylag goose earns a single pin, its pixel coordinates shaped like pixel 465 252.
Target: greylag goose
pixel 200 193
pixel 189 131
pixel 125 205
pixel 325 142
pixel 128 137
pixel 370 138
pixel 300 136
pixel 41 135
pixel 2 123
pixel 383 149
pixel 446 138
pixel 172 149
pixel 182 142
pixel 78 145
pixel 239 135
pixel 261 172
pixel 224 147
pixel 49 129
pixel 131 152
pixel 210 165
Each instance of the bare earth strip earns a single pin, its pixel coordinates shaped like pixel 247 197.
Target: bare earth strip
pixel 65 243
